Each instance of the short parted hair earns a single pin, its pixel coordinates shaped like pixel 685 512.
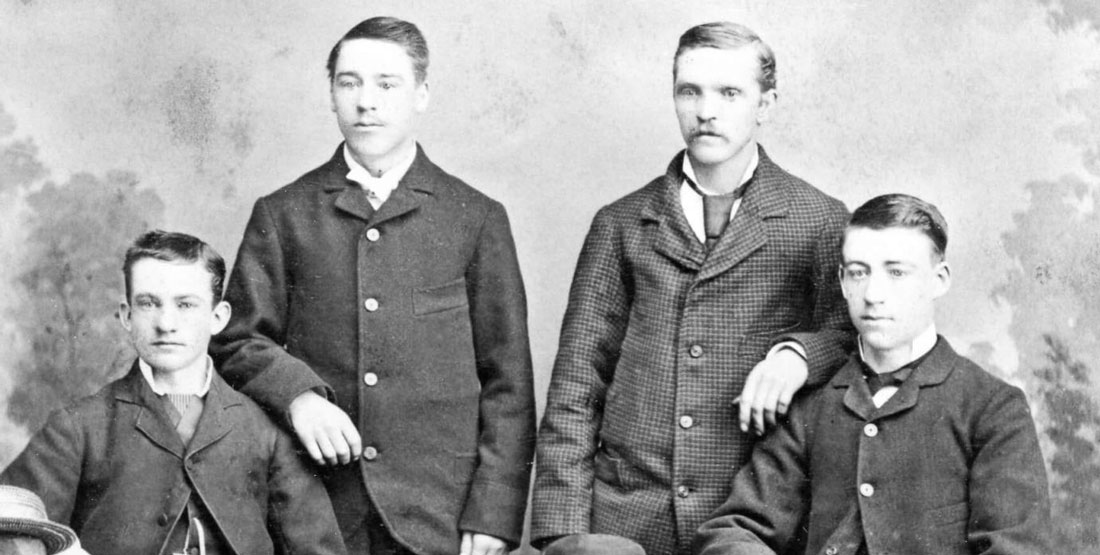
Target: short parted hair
pixel 176 247
pixel 727 36
pixel 390 29
pixel 899 210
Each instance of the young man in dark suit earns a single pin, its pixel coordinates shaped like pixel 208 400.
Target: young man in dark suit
pixel 170 456
pixel 378 304
pixel 910 448
pixel 682 288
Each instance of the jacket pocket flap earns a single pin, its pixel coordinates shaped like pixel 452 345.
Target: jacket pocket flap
pixel 440 297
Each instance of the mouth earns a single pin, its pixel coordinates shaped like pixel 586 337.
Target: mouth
pixel 874 319
pixel 368 125
pixel 705 135
pixel 167 344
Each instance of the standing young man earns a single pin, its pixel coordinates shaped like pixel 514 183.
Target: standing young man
pixel 910 448
pixel 378 304
pixel 170 456
pixel 681 288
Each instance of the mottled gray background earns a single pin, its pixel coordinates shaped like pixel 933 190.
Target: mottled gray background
pixel 120 115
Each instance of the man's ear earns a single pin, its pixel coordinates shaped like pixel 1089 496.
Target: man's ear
pixel 221 314
pixel 942 275
pixel 124 315
pixel 768 100
pixel 423 97
pixel 840 278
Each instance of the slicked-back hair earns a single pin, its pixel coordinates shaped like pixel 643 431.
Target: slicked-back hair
pixel 389 29
pixel 175 247
pixel 900 210
pixel 726 35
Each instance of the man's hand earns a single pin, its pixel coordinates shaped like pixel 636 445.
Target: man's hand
pixel 770 387
pixel 480 544
pixel 324 430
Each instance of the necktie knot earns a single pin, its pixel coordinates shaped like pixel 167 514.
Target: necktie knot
pixel 716 211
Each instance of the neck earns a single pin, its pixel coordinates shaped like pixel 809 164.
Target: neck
pixel 379 165
pixel 185 380
pixel 724 177
pixel 888 360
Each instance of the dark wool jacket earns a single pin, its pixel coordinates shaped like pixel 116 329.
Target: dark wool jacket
pixel 413 320
pixel 113 468
pixel 949 465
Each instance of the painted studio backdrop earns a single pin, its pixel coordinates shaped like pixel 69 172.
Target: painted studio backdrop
pixel 118 116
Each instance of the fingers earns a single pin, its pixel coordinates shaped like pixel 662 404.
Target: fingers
pixel 748 397
pixel 325 431
pixel 465 546
pixel 481 544
pixel 351 436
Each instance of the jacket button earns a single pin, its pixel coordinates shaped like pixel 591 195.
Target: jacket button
pixel 370 453
pixel 373 235
pixel 371 304
pixel 831 550
pixel 370 378
pixel 866 490
pixel 683 491
pixel 870 430
pixel 162 520
pixel 686 422
pixel 696 351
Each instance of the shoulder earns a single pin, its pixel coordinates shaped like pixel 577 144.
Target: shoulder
pixel 455 191
pixel 802 196
pixel 309 184
pixel 630 206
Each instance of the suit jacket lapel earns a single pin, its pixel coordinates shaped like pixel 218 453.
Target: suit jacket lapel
pixel 407 197
pixel 150 418
pixel 213 424
pixel 858 397
pixel 931 372
pixel 768 196
pixel 674 238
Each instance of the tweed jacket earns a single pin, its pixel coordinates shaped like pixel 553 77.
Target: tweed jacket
pixel 113 467
pixel 950 464
pixel 412 319
pixel 640 436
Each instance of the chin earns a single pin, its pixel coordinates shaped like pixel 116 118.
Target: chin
pixel 709 156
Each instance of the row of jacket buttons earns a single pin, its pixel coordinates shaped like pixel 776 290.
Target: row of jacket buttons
pixel 865 489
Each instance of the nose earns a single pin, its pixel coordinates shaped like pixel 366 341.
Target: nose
pixel 368 99
pixel 874 288
pixel 704 107
pixel 167 320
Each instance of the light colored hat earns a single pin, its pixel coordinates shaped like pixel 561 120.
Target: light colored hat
pixel 593 544
pixel 22 513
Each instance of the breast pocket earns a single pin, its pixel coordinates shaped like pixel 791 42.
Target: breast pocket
pixel 438 298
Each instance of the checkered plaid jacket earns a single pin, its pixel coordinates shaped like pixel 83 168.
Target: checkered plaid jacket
pixel 640 435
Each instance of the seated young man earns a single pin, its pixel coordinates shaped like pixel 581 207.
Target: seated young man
pixel 170 455
pixel 910 448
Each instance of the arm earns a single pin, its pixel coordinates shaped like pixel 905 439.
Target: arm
pixel 506 442
pixel 300 517
pixel 250 355
pixel 1009 504
pixel 592 333
pixel 805 358
pixel 768 501
pixel 50 466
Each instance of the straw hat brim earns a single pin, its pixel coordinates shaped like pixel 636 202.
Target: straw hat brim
pixel 55 536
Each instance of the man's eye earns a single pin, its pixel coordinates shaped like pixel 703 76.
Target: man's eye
pixel 387 86
pixel 347 84
pixel 897 273
pixel 856 274
pixel 731 93
pixel 686 92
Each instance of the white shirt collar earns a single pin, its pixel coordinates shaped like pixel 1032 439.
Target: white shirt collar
pixel 692 202
pixel 378 188
pixel 920 346
pixel 689 171
pixel 147 373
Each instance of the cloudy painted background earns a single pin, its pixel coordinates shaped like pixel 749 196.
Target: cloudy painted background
pixel 116 116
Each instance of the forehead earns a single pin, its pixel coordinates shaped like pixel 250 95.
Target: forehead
pixel 736 65
pixel 373 57
pixel 170 279
pixel 892 244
